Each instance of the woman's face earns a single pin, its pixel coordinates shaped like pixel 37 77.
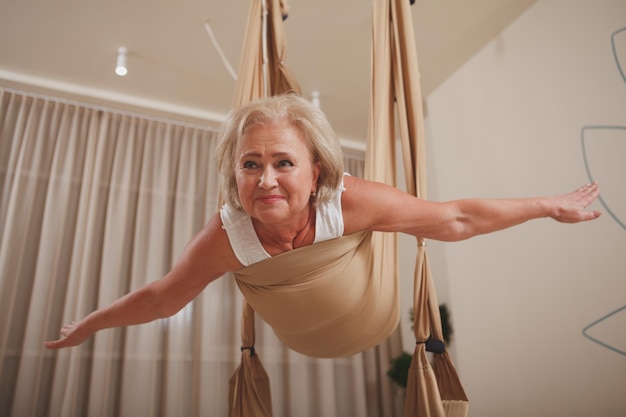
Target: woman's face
pixel 275 173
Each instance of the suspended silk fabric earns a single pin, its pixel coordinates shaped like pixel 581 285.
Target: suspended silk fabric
pixel 249 390
pixel 249 386
pixel 372 256
pixel 431 392
pixel 324 300
pixel 261 73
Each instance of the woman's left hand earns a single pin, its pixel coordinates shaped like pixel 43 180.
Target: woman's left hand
pixel 570 207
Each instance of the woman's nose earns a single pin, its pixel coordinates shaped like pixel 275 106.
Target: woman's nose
pixel 268 179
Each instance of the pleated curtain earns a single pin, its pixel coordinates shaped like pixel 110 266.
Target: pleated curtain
pixel 93 205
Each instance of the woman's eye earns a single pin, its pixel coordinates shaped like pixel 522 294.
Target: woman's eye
pixel 285 163
pixel 249 165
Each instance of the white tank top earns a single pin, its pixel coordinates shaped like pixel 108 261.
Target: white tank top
pixel 246 244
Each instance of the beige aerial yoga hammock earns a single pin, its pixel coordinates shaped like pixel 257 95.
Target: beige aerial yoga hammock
pixel 366 311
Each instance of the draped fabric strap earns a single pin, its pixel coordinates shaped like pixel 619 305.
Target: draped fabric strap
pixel 324 300
pixel 432 391
pixel 261 73
pixel 249 393
pixel 395 82
pixel 263 53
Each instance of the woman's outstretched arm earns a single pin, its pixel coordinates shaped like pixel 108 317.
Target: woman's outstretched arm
pixel 206 257
pixel 375 206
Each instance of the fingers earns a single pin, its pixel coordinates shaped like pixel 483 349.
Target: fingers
pixel 53 344
pixel 57 344
pixel 67 328
pixel 572 206
pixel 595 214
pixel 588 193
pixel 591 188
pixel 63 341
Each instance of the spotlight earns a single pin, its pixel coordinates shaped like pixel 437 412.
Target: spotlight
pixel 315 98
pixel 120 68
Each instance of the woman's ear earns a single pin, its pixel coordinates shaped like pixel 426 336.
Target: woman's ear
pixel 317 167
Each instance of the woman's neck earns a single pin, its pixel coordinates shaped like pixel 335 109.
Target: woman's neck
pixel 277 239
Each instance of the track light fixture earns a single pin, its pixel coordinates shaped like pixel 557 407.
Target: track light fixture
pixel 120 68
pixel 315 98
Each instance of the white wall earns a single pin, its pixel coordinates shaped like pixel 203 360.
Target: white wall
pixel 508 123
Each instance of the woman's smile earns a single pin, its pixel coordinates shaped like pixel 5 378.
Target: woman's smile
pixel 270 199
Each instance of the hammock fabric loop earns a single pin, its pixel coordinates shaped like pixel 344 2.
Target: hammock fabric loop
pixel 250 348
pixel 433 345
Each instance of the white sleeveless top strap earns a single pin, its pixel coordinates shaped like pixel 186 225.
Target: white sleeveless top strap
pixel 246 244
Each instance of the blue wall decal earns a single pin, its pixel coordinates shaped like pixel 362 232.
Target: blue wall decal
pixel 620 218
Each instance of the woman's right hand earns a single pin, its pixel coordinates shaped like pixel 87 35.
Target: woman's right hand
pixel 71 335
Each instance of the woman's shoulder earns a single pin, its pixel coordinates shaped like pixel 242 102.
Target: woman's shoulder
pixel 359 191
pixel 212 248
pixel 354 204
pixel 370 205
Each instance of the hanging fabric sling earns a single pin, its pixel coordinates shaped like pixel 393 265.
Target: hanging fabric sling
pixel 261 73
pixel 296 292
pixel 395 78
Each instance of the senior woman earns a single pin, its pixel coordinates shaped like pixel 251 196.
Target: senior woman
pixel 284 187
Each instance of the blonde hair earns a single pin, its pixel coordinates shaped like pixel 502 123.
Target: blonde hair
pixel 309 120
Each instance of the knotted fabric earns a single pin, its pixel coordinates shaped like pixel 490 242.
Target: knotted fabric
pixel 249 391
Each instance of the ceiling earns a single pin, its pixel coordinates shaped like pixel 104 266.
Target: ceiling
pixel 71 45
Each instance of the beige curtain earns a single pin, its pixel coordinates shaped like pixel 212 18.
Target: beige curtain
pixel 94 203
pixel 395 85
